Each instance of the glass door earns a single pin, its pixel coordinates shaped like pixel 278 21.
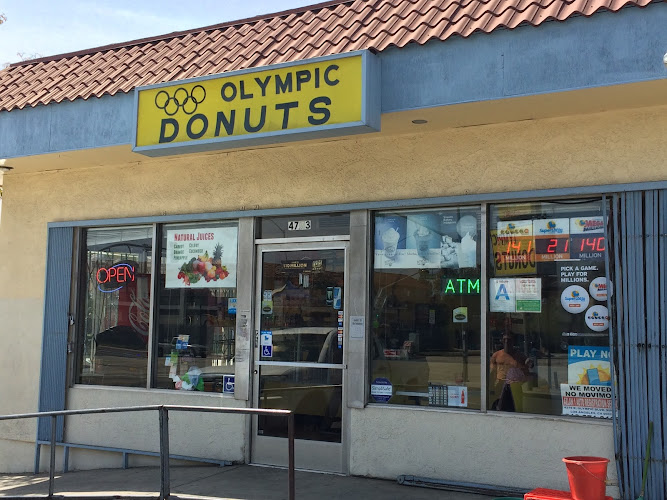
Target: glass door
pixel 299 353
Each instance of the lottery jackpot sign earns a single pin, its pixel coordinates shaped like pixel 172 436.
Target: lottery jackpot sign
pixel 513 249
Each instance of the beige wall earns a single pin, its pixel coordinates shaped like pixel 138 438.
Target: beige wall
pixel 604 148
pixel 207 435
pixel 495 448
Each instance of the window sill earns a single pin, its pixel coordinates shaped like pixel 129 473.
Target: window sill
pixel 499 414
pixel 117 388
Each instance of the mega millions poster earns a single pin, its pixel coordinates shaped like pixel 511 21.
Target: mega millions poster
pixel 201 258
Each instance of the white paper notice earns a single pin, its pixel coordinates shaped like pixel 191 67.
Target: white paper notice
pixel 502 297
pixel 586 400
pixel 457 395
pixel 201 257
pixel 357 327
pixel 528 295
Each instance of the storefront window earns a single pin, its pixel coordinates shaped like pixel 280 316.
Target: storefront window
pixel 196 312
pixel 113 347
pixel 426 308
pixel 548 322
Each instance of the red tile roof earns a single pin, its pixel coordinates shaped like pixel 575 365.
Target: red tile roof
pixel 327 28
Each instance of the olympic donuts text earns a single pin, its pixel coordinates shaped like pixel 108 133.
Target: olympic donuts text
pixel 327 95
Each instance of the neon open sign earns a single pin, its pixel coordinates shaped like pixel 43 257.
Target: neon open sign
pixel 110 279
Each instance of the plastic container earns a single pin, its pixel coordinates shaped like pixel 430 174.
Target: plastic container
pixel 587 477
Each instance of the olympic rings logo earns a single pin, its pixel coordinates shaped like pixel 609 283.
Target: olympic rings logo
pixel 182 99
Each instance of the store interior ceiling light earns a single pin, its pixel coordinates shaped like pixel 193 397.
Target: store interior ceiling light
pixel 419 121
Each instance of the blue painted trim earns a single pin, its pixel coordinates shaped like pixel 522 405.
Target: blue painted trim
pixel 370 108
pixel 372 91
pixel 135 121
pixel 373 205
pixel 53 366
pixel 38 451
pixel 580 53
pixel 542 93
pixel 43 346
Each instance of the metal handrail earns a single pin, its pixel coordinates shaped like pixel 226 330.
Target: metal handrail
pixel 163 411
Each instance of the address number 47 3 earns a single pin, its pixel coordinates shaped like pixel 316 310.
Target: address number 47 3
pixel 298 225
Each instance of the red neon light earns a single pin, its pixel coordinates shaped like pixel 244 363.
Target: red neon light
pixel 115 274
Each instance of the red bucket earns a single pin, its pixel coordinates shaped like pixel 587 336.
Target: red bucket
pixel 587 477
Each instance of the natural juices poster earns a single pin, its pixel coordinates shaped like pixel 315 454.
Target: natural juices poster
pixel 201 257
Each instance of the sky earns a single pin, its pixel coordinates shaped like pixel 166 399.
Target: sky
pixel 40 28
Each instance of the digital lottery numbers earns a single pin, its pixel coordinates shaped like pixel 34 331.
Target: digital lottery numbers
pixel 514 248
pixel 552 239
pixel 587 238
pixel 587 247
pixel 519 245
pixel 549 249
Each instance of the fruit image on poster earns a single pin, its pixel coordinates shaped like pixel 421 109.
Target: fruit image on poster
pixel 201 257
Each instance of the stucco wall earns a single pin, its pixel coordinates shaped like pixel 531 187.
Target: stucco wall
pixel 207 435
pixel 494 448
pixel 605 148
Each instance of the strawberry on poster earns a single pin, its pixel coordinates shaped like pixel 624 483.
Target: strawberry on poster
pixel 201 258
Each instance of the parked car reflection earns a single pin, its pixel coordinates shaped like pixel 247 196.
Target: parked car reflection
pixel 120 357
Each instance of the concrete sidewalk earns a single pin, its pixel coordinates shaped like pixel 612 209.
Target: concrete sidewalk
pixel 239 482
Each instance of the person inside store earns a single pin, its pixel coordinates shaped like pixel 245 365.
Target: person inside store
pixel 509 368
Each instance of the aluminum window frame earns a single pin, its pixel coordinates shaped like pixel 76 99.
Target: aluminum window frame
pixel 77 298
pixel 482 209
pixel 485 207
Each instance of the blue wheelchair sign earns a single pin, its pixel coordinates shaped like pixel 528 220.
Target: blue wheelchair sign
pixel 267 351
pixel 228 384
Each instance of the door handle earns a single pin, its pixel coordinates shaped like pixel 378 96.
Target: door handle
pixel 255 372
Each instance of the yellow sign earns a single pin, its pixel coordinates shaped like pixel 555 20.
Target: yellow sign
pixel 513 254
pixel 327 96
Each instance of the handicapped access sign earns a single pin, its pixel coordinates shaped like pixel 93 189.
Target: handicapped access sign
pixel 228 384
pixel 266 343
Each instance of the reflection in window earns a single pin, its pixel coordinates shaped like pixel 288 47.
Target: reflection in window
pixel 196 315
pixel 113 345
pixel 548 321
pixel 302 302
pixel 425 346
pixel 315 396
